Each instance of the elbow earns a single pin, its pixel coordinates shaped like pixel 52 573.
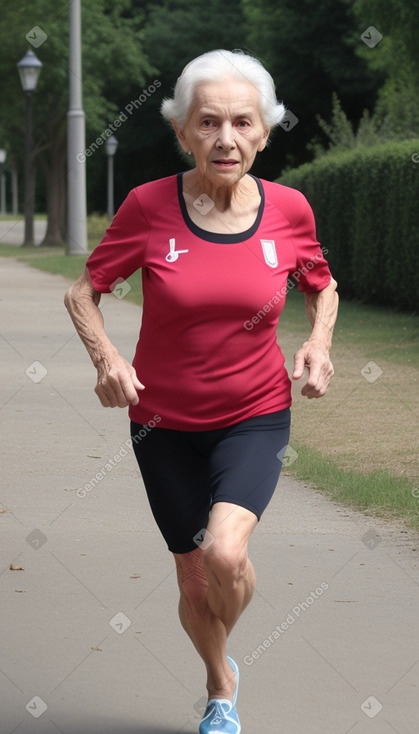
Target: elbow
pixel 69 298
pixel 333 285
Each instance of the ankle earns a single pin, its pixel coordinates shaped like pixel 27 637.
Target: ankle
pixel 225 691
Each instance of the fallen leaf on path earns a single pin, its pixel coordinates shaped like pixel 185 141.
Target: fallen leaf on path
pixel 2 512
pixel 16 568
pixel 136 576
pixel 98 649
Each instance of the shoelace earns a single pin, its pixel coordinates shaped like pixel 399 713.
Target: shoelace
pixel 220 712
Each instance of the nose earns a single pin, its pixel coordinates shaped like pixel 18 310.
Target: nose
pixel 226 139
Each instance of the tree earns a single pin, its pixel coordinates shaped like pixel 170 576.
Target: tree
pixel 309 48
pixel 113 61
pixel 175 31
pixel 396 58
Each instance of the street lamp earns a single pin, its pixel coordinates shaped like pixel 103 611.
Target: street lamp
pixel 29 70
pixel 3 156
pixel 76 140
pixel 110 146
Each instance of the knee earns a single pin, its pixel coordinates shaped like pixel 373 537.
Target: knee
pixel 227 561
pixel 192 579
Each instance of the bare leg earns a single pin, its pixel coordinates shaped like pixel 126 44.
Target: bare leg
pixel 216 585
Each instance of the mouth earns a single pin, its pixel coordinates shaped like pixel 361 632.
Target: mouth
pixel 225 163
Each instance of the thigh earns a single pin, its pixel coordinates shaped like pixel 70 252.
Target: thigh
pixel 246 463
pixel 175 476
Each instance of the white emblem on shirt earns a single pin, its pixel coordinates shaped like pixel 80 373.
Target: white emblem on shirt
pixel 269 253
pixel 173 255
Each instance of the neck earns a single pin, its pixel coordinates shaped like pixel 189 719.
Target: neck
pixel 224 197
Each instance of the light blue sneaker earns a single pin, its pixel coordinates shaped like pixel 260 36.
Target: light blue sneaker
pixel 220 715
pixel 235 668
pixel 220 718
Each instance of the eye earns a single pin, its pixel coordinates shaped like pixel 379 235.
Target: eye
pixel 207 123
pixel 243 124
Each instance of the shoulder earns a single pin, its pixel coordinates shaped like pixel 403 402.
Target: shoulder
pixel 154 195
pixel 292 204
pixel 153 188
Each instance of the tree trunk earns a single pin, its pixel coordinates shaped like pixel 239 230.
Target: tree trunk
pixel 55 177
pixel 14 177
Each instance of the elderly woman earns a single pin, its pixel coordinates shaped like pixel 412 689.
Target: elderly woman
pixel 208 393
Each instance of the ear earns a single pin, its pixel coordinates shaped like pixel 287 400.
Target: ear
pixel 180 136
pixel 265 137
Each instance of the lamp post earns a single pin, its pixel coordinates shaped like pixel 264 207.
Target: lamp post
pixel 29 70
pixel 76 142
pixel 3 156
pixel 110 146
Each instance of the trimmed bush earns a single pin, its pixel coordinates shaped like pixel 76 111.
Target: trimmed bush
pixel 366 204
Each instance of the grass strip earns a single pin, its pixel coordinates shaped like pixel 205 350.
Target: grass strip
pixel 379 493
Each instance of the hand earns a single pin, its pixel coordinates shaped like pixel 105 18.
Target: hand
pixel 315 357
pixel 117 382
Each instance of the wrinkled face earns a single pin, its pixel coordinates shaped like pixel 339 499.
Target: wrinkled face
pixel 224 130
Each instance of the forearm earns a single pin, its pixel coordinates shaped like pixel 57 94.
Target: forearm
pixel 117 381
pixel 82 303
pixel 321 310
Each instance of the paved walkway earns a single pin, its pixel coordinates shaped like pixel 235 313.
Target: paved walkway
pixel 90 638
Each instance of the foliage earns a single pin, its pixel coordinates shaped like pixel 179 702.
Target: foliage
pixel 310 50
pixel 174 32
pixel 340 133
pixel 396 58
pixel 112 62
pixel 365 203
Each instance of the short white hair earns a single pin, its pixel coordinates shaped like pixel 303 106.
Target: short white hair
pixel 222 64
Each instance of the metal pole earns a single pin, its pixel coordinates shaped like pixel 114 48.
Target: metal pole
pixel 110 188
pixel 29 203
pixel 76 161
pixel 15 191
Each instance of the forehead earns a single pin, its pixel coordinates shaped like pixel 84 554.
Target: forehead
pixel 230 95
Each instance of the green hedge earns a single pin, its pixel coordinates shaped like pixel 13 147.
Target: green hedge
pixel 366 204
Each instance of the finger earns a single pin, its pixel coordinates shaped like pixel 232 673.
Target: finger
pixel 110 389
pixel 299 365
pixel 137 384
pixel 129 385
pixel 317 384
pixel 315 377
pixel 103 397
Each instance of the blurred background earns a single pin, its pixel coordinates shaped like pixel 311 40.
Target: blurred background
pixel 331 79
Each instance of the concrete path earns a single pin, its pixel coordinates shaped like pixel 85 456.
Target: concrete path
pixel 90 638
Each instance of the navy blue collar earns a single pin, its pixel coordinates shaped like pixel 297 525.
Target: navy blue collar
pixel 224 239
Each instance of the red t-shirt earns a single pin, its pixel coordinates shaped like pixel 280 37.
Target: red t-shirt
pixel 207 352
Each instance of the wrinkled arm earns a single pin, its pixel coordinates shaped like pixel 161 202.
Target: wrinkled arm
pixel 321 309
pixel 117 381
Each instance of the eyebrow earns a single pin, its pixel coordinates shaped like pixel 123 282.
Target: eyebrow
pixel 212 113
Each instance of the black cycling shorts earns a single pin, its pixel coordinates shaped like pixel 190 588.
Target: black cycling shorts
pixel 186 472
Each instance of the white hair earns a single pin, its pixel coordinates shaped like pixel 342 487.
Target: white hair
pixel 222 64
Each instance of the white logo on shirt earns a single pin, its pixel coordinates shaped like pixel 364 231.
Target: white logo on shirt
pixel 173 255
pixel 269 253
